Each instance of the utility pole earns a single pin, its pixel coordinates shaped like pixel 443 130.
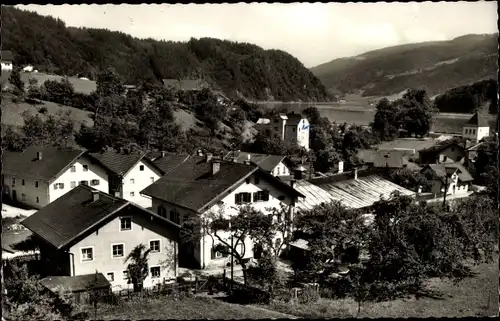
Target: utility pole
pixel 232 256
pixel 445 191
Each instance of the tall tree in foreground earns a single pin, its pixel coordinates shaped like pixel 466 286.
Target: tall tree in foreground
pixel 386 121
pixel 417 112
pixel 138 267
pixel 17 83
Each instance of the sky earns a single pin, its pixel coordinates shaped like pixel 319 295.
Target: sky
pixel 315 33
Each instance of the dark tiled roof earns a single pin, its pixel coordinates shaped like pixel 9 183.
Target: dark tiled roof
pixel 67 217
pixel 170 162
pixel 477 120
pixel 6 55
pixel 391 159
pixel 74 214
pixel 77 283
pixel 441 169
pixel 264 161
pixel 441 146
pixel 120 163
pixel 192 186
pixel 26 164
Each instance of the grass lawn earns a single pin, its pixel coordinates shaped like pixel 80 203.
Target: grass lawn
pixel 476 296
pixel 186 308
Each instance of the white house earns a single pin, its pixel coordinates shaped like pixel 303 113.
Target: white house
pixel 28 68
pixel 6 60
pixel 129 173
pixel 292 128
pixel 203 185
pixel 97 232
pixel 450 177
pixel 276 165
pixel 40 175
pixel 476 128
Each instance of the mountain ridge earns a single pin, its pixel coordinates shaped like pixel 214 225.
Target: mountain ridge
pixel 240 70
pixel 436 66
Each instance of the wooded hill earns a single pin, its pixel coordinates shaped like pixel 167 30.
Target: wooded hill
pixel 237 69
pixel 434 66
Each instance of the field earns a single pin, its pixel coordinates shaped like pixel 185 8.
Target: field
pixel 80 85
pixel 185 308
pixel 476 296
pixel 12 112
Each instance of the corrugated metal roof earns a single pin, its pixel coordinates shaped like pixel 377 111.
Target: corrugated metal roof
pixel 364 191
pixel 314 195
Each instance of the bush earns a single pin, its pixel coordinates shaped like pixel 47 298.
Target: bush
pixel 42 110
pixel 308 295
pixel 248 296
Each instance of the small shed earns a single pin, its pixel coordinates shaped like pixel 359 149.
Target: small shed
pixel 78 285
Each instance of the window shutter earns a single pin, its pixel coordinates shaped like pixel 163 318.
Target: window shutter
pixel 249 197
pixel 255 196
pixel 266 195
pixel 236 198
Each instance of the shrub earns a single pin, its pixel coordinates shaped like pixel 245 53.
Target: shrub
pixel 308 295
pixel 42 110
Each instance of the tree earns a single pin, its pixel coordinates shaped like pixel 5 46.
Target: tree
pixel 410 179
pixel 138 268
pixel 17 83
pixel 94 293
pixel 385 122
pixel 12 140
pixel 417 112
pixel 54 131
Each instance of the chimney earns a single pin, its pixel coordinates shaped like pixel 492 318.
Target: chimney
pixel 163 154
pixel 208 157
pixel 355 173
pixel 215 167
pixel 341 167
pixel 39 155
pixel 292 183
pixel 95 196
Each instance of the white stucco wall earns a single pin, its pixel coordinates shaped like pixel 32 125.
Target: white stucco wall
pixel 303 133
pixel 27 192
pixel 475 134
pixel 94 172
pixel 7 65
pixel 102 240
pixel 281 170
pixel 203 253
pixel 141 180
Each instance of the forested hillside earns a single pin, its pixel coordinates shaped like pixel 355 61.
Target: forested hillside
pixel 433 66
pixel 480 96
pixel 238 69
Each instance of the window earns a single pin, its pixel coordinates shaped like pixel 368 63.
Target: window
pixel 59 186
pixel 152 180
pixel 132 181
pixel 256 180
pixel 215 254
pixel 278 171
pixel 154 246
pixel 110 276
pixel 23 196
pixel 94 182
pixel 261 196
pixel 37 199
pixel 125 274
pixel 132 194
pixel 125 223
pixel 22 182
pixel 73 169
pixel 13 181
pixel 36 184
pixel 241 198
pixel 117 250
pixel 84 182
pixel 174 216
pixel 155 272
pixel 141 168
pixel 293 129
pixel 85 168
pixel 162 211
pixel 72 184
pixel 87 254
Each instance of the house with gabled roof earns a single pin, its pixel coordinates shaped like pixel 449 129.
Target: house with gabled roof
pixel 449 151
pixel 167 161
pixel 453 178
pixel 292 128
pixel 129 173
pixel 87 230
pixel 276 165
pixel 476 128
pixel 40 175
pixel 204 184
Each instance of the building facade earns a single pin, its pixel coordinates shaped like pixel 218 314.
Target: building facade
pixel 476 128
pixel 292 128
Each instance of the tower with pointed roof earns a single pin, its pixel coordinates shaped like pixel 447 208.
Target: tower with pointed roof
pixel 476 128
